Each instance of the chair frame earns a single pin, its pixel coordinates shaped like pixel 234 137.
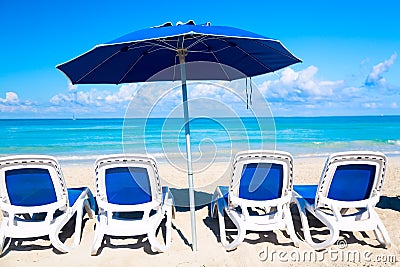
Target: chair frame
pixel 17 221
pixel 280 219
pixel 162 203
pixel 332 212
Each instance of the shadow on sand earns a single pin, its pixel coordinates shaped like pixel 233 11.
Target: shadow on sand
pixel 17 244
pixel 181 197
pixel 392 203
pixel 319 231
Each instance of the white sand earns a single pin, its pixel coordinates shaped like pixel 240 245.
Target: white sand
pixel 134 252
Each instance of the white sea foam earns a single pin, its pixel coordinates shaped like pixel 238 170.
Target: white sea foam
pixel 78 158
pixel 313 155
pixel 394 142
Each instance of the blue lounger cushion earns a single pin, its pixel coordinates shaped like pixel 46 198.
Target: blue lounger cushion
pixel 225 192
pixel 307 192
pixel 75 193
pixel 352 182
pixel 30 187
pixel 127 185
pixel 261 181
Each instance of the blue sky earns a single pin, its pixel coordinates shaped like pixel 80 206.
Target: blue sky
pixel 349 51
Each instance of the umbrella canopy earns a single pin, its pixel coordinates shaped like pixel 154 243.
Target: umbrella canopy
pixel 140 55
pixel 137 56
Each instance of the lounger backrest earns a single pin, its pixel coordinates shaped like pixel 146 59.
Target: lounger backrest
pixel 352 176
pixel 127 179
pixel 262 175
pixel 31 180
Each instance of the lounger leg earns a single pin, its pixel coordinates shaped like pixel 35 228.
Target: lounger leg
pixel 379 236
pixel 78 224
pixel 386 239
pixel 213 210
pixel 54 238
pixel 290 226
pixel 167 210
pixel 168 228
pixel 79 216
pixel 170 213
pixel 223 208
pixel 241 232
pixel 99 233
pixel 221 221
pixel 2 235
pixel 151 235
pixel 334 231
pixel 89 210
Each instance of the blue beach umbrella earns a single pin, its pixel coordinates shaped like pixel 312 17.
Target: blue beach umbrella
pixel 138 56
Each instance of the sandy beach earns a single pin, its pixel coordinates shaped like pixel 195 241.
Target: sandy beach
pixel 252 252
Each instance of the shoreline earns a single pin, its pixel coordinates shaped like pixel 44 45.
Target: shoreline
pixel 306 170
pixel 133 251
pixel 89 159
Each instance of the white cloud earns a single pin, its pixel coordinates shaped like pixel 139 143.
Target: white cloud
pixel 59 99
pixel 72 87
pixel 90 98
pixel 95 97
pixel 371 105
pixel 11 98
pixel 296 86
pixel 124 94
pixel 289 92
pixel 13 104
pixel 9 103
pixel 93 101
pixel 375 76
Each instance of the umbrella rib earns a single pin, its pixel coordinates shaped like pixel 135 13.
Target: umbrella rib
pixel 133 65
pixel 208 38
pixel 98 65
pixel 140 45
pixel 280 52
pixel 141 56
pixel 198 40
pixel 167 45
pixel 153 44
pixel 155 50
pixel 253 57
pixel 216 58
pixel 207 51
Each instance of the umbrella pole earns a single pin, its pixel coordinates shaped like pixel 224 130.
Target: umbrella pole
pixel 182 54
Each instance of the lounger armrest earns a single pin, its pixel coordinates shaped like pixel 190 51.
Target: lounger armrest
pixel 33 209
pixel 167 197
pixel 347 204
pixel 220 192
pixel 260 203
pixel 126 208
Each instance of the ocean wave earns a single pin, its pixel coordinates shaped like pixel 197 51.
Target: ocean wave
pixel 394 142
pixel 326 154
pixel 78 157
pixel 313 155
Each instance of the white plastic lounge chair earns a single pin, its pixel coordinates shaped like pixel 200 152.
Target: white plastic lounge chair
pixel 35 201
pixel 344 199
pixel 261 181
pixel 131 200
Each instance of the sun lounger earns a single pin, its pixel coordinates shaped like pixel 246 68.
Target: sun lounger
pixel 344 200
pixel 258 197
pixel 35 201
pixel 131 200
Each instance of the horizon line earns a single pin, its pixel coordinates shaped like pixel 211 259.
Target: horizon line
pixel 102 118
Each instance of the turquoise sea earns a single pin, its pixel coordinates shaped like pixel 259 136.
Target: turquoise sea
pixel 84 139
